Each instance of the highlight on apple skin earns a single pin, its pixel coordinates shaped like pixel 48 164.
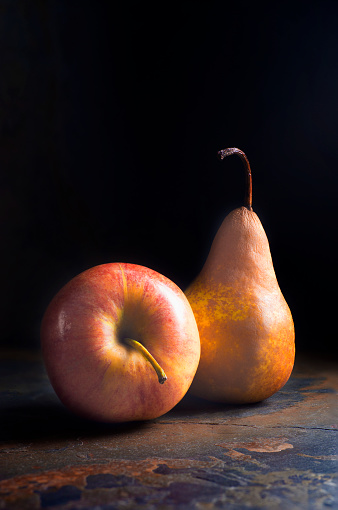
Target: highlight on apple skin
pixel 120 343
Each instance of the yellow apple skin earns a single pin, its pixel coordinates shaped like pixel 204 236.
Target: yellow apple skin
pixel 93 371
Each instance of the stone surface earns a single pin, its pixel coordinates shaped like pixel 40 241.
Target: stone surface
pixel 281 453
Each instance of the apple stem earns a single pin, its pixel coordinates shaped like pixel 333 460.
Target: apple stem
pixel 233 150
pixel 139 347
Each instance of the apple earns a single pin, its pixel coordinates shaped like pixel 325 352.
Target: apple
pixel 120 343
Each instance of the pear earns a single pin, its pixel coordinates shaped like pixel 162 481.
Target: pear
pixel 246 327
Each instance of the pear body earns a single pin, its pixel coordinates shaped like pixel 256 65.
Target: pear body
pixel 245 325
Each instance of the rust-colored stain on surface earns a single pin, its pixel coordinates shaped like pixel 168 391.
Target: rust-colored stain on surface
pixel 105 480
pixel 201 484
pixel 272 444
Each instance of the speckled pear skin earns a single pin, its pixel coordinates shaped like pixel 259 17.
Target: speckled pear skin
pixel 246 327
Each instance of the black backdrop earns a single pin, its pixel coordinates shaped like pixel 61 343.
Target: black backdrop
pixel 111 118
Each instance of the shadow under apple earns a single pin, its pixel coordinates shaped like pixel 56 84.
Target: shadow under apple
pixel 31 411
pixel 50 420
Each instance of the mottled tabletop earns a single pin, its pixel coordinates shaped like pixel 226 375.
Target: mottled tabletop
pixel 280 453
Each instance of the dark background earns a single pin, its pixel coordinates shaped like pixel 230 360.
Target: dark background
pixel 111 118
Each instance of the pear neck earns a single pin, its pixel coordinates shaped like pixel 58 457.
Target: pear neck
pixel 248 188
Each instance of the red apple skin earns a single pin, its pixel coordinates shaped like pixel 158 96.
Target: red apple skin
pixel 93 372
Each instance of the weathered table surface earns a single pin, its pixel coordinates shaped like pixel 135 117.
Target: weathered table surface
pixel 281 453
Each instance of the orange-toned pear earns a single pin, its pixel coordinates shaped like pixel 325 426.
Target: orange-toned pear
pixel 245 325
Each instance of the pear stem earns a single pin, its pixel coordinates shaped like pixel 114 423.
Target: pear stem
pixel 146 354
pixel 233 150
